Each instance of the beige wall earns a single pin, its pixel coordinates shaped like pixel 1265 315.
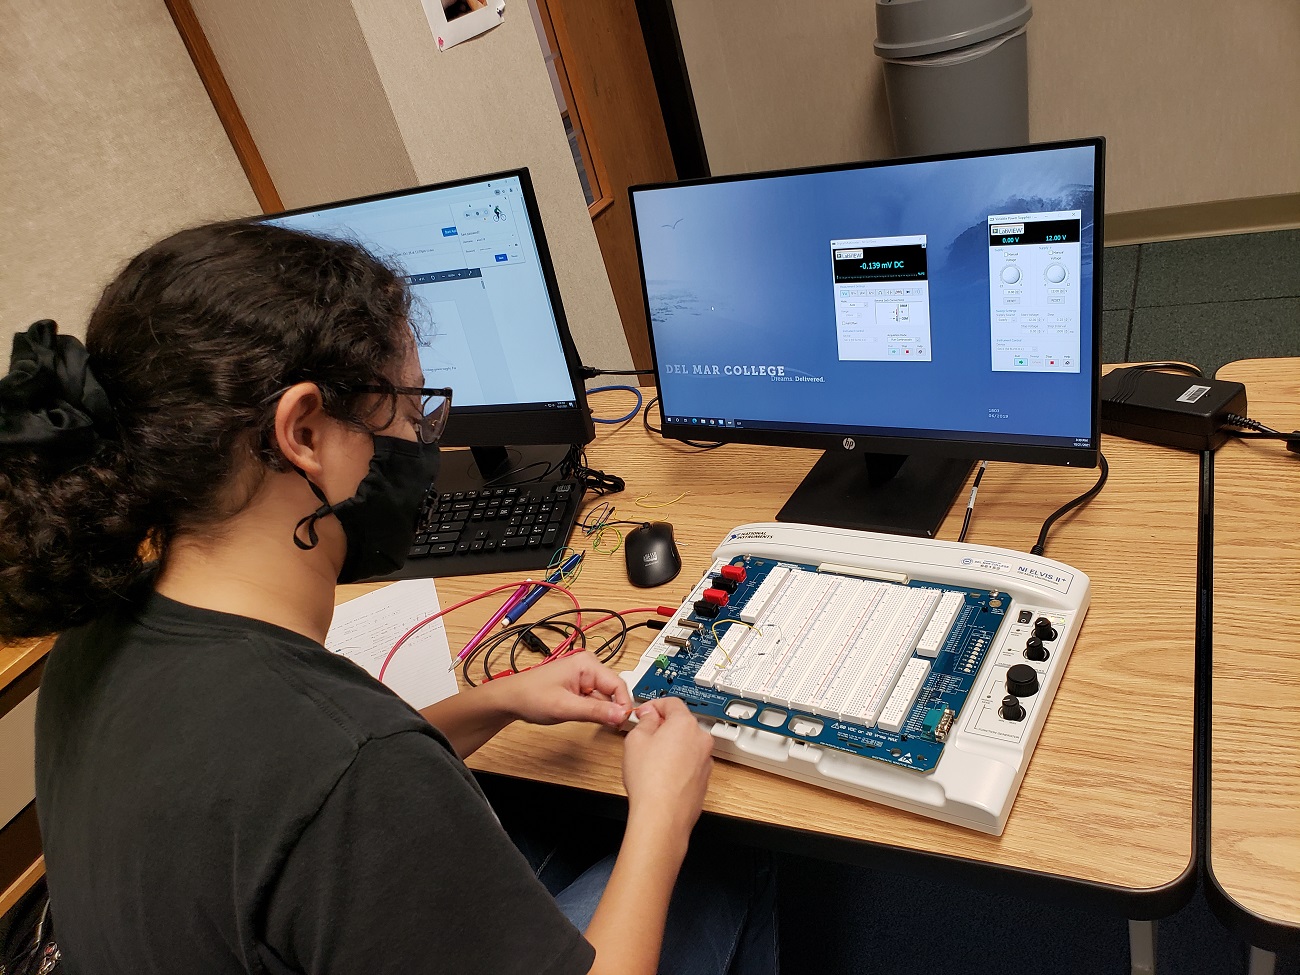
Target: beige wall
pixel 109 142
pixel 1197 98
pixel 356 98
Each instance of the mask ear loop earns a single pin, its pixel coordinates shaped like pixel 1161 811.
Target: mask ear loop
pixel 310 520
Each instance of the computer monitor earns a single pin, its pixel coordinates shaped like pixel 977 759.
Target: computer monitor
pixel 907 316
pixel 485 301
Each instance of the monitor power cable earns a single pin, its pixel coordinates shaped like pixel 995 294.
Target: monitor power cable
pixel 645 418
pixel 591 372
pixel 1254 430
pixel 1069 506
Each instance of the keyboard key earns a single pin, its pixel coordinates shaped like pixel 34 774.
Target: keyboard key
pixel 549 536
pixel 518 541
pixel 442 538
pixel 417 551
pixel 477 546
pixel 463 547
pixel 446 548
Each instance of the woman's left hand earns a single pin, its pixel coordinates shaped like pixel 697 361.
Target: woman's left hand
pixel 574 688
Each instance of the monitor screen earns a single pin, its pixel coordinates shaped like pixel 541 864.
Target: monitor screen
pixel 944 306
pixel 484 301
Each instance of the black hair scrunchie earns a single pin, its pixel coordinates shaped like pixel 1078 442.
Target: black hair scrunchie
pixel 50 396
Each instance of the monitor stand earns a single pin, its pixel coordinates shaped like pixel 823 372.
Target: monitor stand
pixel 480 467
pixel 892 493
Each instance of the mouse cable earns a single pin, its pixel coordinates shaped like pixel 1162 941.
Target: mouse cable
pixel 645 418
pixel 1069 506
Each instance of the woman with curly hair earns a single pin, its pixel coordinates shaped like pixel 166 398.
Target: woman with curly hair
pixel 244 428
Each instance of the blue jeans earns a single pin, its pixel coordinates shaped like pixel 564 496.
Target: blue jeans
pixel 722 916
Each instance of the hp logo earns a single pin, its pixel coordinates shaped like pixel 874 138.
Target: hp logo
pixel 849 443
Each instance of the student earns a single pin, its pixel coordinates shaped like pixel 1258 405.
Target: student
pixel 217 793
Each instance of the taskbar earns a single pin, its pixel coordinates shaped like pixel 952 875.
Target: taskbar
pixel 708 424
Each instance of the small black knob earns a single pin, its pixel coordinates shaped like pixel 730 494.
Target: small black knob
pixel 1011 709
pixel 1043 629
pixel 1022 680
pixel 1034 649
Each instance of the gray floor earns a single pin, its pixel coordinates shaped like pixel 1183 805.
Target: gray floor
pixel 1207 301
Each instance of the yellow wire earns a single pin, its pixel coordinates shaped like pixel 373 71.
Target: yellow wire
pixel 567 579
pixel 718 640
pixel 595 542
pixel 641 502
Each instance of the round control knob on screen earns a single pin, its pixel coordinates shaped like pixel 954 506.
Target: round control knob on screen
pixel 1034 649
pixel 1055 273
pixel 1010 274
pixel 1022 680
pixel 1043 629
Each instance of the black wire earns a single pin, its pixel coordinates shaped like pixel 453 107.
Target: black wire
pixel 610 648
pixel 645 418
pixel 1084 498
pixel 614 372
pixel 970 505
pixel 1186 367
pixel 597 482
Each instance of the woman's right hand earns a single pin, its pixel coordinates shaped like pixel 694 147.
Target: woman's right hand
pixel 667 759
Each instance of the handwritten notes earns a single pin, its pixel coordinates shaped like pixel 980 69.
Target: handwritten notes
pixel 366 628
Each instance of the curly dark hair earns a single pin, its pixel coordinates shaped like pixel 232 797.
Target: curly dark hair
pixel 191 342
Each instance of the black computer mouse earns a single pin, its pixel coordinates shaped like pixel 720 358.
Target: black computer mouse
pixel 652 556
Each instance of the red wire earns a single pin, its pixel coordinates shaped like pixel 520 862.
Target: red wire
pixel 565 648
pixel 465 602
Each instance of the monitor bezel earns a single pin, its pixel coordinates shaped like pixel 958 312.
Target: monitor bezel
pixel 877 440
pixel 501 425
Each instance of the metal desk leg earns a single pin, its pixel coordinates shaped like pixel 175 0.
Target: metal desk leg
pixel 1261 961
pixel 1142 947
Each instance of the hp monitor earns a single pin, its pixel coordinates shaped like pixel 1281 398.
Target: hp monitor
pixel 908 317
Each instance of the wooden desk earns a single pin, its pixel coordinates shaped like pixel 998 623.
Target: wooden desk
pixel 1105 815
pixel 1253 841
pixel 21 864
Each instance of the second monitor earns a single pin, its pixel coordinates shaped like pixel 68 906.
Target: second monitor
pixel 906 316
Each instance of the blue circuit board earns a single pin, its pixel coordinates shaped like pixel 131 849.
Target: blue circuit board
pixel 917 745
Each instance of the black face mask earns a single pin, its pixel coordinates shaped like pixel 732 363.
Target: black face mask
pixel 379 520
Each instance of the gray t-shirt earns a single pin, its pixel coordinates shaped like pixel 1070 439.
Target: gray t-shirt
pixel 220 795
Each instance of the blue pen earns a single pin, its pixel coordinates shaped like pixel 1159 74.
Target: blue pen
pixel 521 607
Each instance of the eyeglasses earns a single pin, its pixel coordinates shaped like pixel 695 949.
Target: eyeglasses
pixel 435 406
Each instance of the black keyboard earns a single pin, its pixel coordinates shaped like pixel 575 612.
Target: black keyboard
pixel 500 529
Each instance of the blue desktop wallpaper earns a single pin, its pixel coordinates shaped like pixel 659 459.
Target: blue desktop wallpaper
pixel 738 273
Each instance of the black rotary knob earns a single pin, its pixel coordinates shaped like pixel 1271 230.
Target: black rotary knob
pixel 1011 709
pixel 1022 680
pixel 1034 649
pixel 1043 629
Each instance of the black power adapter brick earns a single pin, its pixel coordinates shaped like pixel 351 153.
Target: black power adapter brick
pixel 1169 409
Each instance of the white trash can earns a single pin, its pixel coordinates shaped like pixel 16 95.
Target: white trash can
pixel 956 73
